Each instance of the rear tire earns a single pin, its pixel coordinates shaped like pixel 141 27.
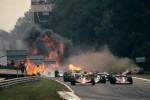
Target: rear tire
pixel 112 80
pixel 72 82
pixel 103 79
pixel 65 78
pixel 130 80
pixel 93 81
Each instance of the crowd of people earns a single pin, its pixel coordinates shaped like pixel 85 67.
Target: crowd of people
pixel 21 66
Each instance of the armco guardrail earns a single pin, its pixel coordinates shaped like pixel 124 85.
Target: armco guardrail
pixel 9 67
pixel 10 82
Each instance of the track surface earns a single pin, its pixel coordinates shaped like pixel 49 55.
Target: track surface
pixel 139 90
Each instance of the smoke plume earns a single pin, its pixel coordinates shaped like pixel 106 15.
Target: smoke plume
pixel 103 61
pixel 46 42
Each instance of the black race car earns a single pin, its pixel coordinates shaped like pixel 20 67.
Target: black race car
pixel 67 76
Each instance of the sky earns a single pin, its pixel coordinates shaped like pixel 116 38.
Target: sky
pixel 10 11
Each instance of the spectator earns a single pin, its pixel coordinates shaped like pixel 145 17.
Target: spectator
pixel 8 64
pixel 12 63
pixel 22 66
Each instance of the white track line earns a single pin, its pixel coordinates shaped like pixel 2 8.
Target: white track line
pixel 67 95
pixel 66 86
pixel 142 79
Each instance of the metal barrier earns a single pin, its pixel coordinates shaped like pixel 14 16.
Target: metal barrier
pixel 10 82
pixel 9 67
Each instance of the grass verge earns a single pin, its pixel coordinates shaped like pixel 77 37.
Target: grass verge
pixel 43 89
pixel 142 76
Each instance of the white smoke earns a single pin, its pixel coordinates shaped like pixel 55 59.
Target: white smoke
pixel 103 61
pixel 3 47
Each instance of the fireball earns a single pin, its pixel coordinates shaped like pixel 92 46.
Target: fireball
pixel 74 68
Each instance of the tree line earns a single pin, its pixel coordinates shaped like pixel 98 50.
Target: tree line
pixel 124 25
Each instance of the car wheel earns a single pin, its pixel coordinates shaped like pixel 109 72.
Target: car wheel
pixel 103 79
pixel 130 80
pixel 93 81
pixel 112 80
pixel 72 82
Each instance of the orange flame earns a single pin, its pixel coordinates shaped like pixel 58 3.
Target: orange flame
pixel 55 55
pixel 61 48
pixel 31 68
pixel 48 41
pixel 58 49
pixel 35 51
pixel 56 52
pixel 74 68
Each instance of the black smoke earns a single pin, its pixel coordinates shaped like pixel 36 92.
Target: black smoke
pixel 34 40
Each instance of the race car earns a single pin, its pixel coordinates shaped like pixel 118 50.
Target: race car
pixel 80 78
pixel 60 74
pixel 100 78
pixel 67 77
pixel 120 79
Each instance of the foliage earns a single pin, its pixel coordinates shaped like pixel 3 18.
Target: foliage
pixel 23 24
pixel 3 34
pixel 121 24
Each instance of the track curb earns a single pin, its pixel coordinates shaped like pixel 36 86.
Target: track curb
pixel 65 85
pixel 67 95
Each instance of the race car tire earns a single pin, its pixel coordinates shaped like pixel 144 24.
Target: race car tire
pixel 109 77
pixel 72 81
pixel 65 79
pixel 130 80
pixel 69 79
pixel 93 81
pixel 112 80
pixel 103 79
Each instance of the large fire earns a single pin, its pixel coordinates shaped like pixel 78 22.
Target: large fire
pixel 74 68
pixel 56 50
pixel 31 68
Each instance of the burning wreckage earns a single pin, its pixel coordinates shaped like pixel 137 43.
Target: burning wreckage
pixel 48 44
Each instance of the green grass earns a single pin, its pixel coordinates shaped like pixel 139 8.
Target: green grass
pixel 43 89
pixel 142 76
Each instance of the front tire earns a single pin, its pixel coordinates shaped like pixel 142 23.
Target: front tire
pixel 72 81
pixel 93 81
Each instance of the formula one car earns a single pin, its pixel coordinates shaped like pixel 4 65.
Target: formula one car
pixel 80 78
pixel 121 79
pixel 67 77
pixel 100 78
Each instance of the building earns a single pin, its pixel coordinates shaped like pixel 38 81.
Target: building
pixel 41 11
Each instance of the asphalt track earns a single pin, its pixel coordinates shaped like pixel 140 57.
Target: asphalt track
pixel 139 90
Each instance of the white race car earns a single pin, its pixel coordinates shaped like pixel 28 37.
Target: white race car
pixel 99 78
pixel 121 79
